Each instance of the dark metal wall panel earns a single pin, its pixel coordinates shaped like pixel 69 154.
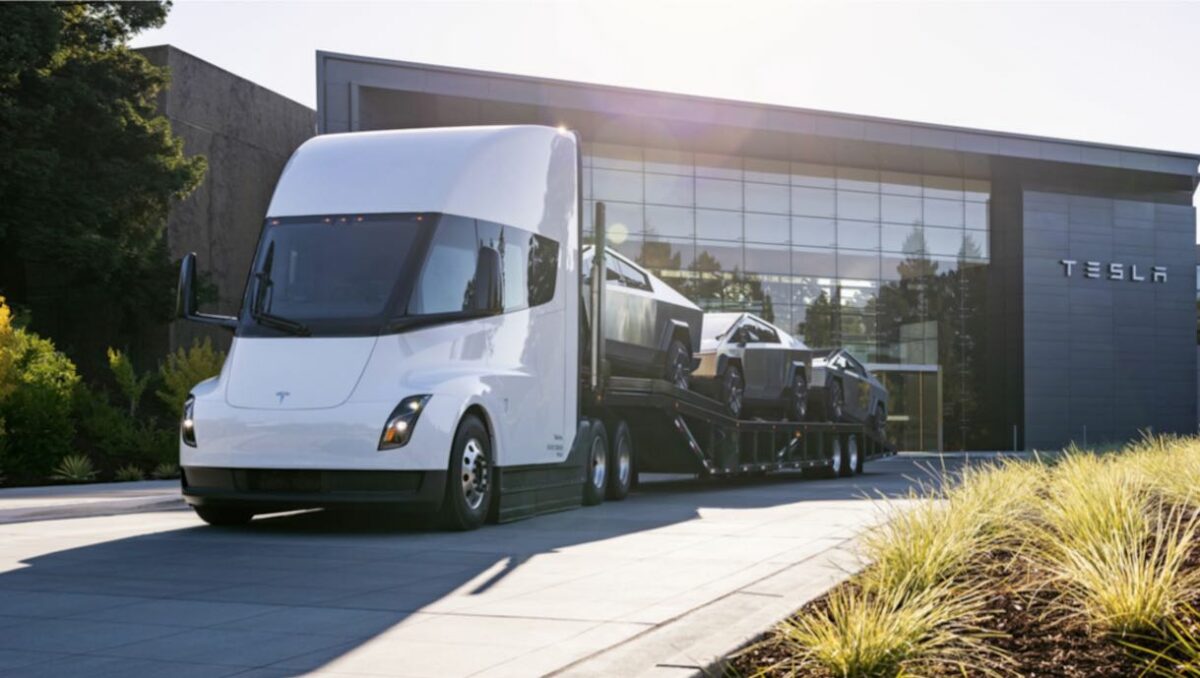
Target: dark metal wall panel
pixel 1106 358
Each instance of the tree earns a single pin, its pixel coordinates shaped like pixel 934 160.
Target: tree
pixel 88 170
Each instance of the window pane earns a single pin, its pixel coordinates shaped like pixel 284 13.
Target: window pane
pixel 767 171
pixel 516 264
pixel 977 190
pixel 816 176
pixel 900 183
pixel 814 232
pixel 666 254
pixel 449 271
pixel 718 193
pixel 718 166
pixel 943 187
pixel 585 180
pixel 899 238
pixel 767 198
pixel 943 241
pixel 858 265
pixel 718 256
pixel 813 262
pixel 670 221
pixel 943 212
pixel 612 156
pixel 664 189
pixel 901 209
pixel 543 269
pixel 858 293
pixel 856 179
pixel 719 224
pixel 770 228
pixel 853 205
pixel 616 185
pixel 975 244
pixel 767 259
pixel 859 235
pixel 668 161
pixel 977 215
pixel 624 219
pixel 814 202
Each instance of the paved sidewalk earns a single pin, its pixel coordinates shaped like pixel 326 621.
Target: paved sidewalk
pixel 21 504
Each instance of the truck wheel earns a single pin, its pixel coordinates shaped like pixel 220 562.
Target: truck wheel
pixel 469 482
pixel 733 390
pixel 837 402
pixel 595 468
pixel 678 364
pixel 798 397
pixel 620 463
pixel 223 516
pixel 851 459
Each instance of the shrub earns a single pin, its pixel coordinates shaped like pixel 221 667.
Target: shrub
pixel 184 369
pixel 132 386
pixel 74 468
pixel 36 410
pixel 129 473
pixel 118 438
pixel 165 471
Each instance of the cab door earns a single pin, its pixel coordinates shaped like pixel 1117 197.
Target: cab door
pixel 858 388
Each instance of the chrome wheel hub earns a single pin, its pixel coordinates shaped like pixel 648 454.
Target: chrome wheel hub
pixel 624 461
pixel 837 456
pixel 474 474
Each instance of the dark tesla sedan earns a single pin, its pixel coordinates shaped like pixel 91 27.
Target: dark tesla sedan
pixel 752 366
pixel 650 330
pixel 844 390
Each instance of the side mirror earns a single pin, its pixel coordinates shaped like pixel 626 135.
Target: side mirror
pixel 185 297
pixel 485 295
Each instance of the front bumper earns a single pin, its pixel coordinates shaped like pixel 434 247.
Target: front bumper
pixel 274 490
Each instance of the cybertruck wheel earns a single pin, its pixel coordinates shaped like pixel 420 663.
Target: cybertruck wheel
pixel 836 408
pixel 222 516
pixel 678 364
pixel 620 463
pixel 595 468
pixel 879 423
pixel 733 390
pixel 851 459
pixel 469 481
pixel 837 458
pixel 798 397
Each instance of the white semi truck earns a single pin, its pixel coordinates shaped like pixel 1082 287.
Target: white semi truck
pixel 412 335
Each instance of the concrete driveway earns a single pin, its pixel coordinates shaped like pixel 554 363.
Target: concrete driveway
pixel 661 583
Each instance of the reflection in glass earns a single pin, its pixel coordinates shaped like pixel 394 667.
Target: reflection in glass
pixel 943 212
pixel 899 209
pixel 718 193
pixel 854 205
pixel 768 259
pixel 610 184
pixel 900 183
pixel 768 228
pixel 767 198
pixel 813 202
pixel 857 179
pixel 859 235
pixel 719 224
pixel 665 189
pixel 817 176
pixel 624 219
pixel 814 231
pixel 670 221
pixel 718 166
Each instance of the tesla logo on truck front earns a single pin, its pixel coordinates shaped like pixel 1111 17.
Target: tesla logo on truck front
pixel 281 395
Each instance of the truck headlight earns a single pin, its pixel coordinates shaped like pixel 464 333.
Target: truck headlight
pixel 187 425
pixel 403 420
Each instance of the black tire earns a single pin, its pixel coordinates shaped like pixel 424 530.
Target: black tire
pixel 679 364
pixel 469 483
pixel 733 390
pixel 837 458
pixel 879 423
pixel 851 457
pixel 620 463
pixel 222 516
pixel 836 408
pixel 798 396
pixel 595 467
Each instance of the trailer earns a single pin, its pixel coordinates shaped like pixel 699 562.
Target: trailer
pixel 413 335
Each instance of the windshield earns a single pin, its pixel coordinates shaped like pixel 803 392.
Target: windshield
pixel 717 324
pixel 338 274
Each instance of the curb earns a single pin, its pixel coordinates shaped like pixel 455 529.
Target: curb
pixel 93 509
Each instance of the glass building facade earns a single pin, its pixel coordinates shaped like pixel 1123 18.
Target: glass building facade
pixel 888 264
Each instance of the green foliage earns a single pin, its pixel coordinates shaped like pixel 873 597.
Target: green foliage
pixel 128 473
pixel 38 426
pixel 88 169
pixel 165 471
pixel 132 386
pixel 117 438
pixel 75 468
pixel 184 369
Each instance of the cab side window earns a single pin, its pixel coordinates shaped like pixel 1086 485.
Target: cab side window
pixel 542 269
pixel 449 274
pixel 514 252
pixel 632 277
pixel 762 334
pixel 612 272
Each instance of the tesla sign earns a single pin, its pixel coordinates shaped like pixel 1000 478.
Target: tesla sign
pixel 1114 271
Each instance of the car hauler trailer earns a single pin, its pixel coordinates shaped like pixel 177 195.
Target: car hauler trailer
pixel 413 335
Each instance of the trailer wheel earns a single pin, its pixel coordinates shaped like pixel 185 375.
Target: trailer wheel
pixel 798 397
pixel 222 516
pixel 733 389
pixel 620 462
pixel 836 458
pixel 837 402
pixel 595 467
pixel 469 481
pixel 851 460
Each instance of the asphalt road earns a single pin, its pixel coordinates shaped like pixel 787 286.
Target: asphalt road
pixel 584 591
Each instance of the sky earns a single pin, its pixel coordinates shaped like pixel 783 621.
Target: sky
pixel 1111 72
